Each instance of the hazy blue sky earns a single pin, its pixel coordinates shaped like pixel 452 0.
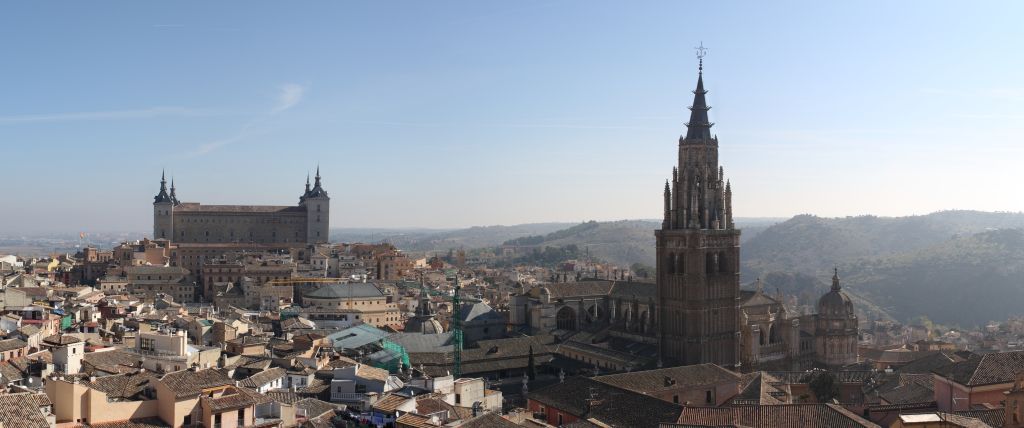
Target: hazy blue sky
pixel 473 113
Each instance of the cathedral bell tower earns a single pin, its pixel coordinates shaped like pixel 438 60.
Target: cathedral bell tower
pixel 698 251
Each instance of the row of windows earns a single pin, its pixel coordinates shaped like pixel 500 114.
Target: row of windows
pixel 714 262
pixel 243 220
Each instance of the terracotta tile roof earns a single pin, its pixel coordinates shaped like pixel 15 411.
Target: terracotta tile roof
pixel 427 405
pixel 415 421
pixel 315 408
pixel 112 361
pixel 993 417
pixel 984 369
pixel 60 340
pixel 930 362
pixel 616 407
pixel 782 415
pixel 843 376
pixel 138 423
pixel 12 344
pixel 232 400
pixel 370 372
pixel 909 393
pixel 390 403
pixel 15 413
pixel 187 383
pixel 651 381
pixel 488 420
pixel 283 396
pixel 264 377
pixel 761 388
pixel 124 386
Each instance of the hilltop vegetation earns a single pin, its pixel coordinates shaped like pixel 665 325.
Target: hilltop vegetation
pixel 953 266
pixel 967 280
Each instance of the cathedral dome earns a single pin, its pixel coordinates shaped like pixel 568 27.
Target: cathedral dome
pixel 835 303
pixel 425 325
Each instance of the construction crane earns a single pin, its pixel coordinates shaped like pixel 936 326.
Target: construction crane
pixel 456 330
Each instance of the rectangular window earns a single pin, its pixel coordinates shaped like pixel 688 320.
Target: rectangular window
pixel 707 397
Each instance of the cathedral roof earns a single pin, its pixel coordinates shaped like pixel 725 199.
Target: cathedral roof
pixel 197 207
pixel 343 291
pixel 423 324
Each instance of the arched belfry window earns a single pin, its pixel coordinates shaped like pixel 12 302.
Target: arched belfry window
pixel 680 262
pixel 670 263
pixel 712 263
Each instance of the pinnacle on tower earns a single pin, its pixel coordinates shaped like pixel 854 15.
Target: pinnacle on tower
pixel 174 196
pixel 835 280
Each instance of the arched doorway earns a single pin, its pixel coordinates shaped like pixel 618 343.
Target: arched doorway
pixel 566 319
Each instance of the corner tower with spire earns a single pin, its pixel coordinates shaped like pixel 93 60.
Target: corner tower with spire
pixel 163 210
pixel 318 210
pixel 698 250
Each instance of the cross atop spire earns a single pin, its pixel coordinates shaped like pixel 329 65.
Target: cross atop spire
pixel 701 52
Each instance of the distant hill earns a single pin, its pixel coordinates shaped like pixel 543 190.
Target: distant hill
pixel 622 242
pixel 814 244
pixel 966 280
pixel 441 240
pixel 905 266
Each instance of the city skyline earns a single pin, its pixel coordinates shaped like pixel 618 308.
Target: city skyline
pixel 418 125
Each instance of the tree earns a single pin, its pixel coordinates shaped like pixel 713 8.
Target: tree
pixel 824 387
pixel 531 367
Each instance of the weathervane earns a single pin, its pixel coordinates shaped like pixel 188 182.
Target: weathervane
pixel 701 52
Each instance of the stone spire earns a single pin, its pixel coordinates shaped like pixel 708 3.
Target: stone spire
pixel 174 196
pixel 317 191
pixel 835 280
pixel 162 197
pixel 699 127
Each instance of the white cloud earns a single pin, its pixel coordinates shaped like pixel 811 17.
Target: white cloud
pixel 291 94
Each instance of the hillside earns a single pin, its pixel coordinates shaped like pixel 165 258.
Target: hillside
pixel 967 280
pixel 903 267
pixel 441 240
pixel 812 244
pixel 621 242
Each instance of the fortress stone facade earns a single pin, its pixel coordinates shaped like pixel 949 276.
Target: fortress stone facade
pixel 191 222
